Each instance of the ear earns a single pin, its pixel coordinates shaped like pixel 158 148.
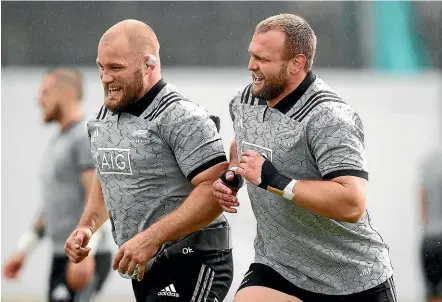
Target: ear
pixel 297 63
pixel 149 61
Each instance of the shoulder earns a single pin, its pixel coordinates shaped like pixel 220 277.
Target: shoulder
pixel 326 106
pixel 243 95
pixel 185 110
pixel 98 115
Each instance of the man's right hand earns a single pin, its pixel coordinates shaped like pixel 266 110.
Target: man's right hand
pixel 225 195
pixel 76 245
pixel 13 265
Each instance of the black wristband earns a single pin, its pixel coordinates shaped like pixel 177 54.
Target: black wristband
pixel 237 181
pixel 270 177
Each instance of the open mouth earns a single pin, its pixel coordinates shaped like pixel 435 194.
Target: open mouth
pixel 257 79
pixel 113 90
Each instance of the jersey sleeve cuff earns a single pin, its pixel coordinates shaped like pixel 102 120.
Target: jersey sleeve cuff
pixel 346 172
pixel 206 166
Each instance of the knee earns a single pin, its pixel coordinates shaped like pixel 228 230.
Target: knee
pixel 80 275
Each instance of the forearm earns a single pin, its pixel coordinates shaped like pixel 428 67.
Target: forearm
pixel 29 240
pixel 329 199
pixel 95 213
pixel 197 211
pixel 233 158
pixel 39 226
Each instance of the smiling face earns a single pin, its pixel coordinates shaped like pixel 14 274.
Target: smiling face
pixel 269 68
pixel 121 72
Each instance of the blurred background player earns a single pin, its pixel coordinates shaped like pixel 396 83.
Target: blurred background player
pixel 67 172
pixel 431 206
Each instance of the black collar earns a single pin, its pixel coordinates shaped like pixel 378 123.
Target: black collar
pixel 138 107
pixel 290 100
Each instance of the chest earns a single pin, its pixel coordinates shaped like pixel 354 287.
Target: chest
pixel 269 132
pixel 126 146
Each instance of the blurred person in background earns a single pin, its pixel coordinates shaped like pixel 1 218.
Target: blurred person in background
pixel 157 155
pixel 431 214
pixel 300 147
pixel 67 171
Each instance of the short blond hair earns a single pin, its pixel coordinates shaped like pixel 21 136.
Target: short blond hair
pixel 300 37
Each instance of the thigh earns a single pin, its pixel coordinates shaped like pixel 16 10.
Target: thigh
pixel 58 289
pixel 262 283
pixel 187 278
pixel 263 294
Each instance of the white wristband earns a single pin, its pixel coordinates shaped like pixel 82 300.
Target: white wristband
pixel 94 242
pixel 288 190
pixel 27 242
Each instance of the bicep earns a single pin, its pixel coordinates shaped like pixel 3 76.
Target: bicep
pixel 355 183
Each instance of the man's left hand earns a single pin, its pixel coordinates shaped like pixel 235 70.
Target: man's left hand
pixel 137 251
pixel 250 166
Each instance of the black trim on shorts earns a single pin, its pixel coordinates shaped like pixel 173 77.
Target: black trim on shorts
pixel 265 276
pixel 206 166
pixel 346 172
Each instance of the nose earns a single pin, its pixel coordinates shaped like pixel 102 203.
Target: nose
pixel 252 64
pixel 106 78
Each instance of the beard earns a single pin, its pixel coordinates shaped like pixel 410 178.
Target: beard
pixel 53 115
pixel 129 91
pixel 273 86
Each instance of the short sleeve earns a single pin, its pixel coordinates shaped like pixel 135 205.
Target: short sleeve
pixel 82 149
pixel 336 139
pixel 192 134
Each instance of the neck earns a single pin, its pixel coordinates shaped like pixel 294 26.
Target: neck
pixel 155 77
pixel 292 85
pixel 70 115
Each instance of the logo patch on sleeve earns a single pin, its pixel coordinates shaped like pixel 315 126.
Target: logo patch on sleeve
pixel 113 161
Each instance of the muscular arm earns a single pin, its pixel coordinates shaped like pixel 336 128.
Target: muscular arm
pixel 198 210
pixel 95 213
pixel 342 198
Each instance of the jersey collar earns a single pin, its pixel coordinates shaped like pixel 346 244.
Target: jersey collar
pixel 138 107
pixel 290 100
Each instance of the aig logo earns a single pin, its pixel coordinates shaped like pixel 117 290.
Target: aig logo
pixel 113 161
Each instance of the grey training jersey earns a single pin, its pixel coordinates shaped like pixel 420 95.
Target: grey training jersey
pixel 146 163
pixel 432 185
pixel 68 155
pixel 311 134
